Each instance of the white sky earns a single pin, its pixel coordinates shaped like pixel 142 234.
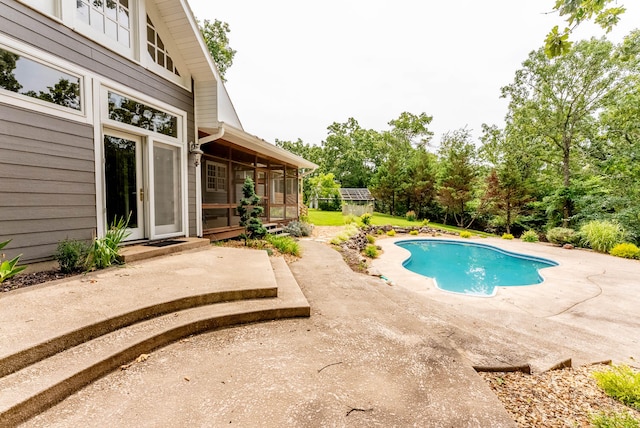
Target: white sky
pixel 303 65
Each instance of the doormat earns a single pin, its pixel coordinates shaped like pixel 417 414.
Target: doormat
pixel 163 243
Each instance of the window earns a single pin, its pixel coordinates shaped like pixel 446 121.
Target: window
pixel 25 76
pixel 131 112
pixel 109 17
pixel 157 50
pixel 50 7
pixel 216 177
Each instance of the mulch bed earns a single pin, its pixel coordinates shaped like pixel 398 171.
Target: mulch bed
pixel 33 278
pixel 557 398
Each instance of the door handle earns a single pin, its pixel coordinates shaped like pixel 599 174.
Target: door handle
pixel 141 194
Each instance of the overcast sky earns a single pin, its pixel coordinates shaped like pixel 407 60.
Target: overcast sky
pixel 302 65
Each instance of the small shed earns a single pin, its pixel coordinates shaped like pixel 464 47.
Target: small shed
pixel 356 201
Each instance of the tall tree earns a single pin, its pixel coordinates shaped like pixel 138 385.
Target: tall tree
pixel 457 173
pixel 215 34
pixel 553 102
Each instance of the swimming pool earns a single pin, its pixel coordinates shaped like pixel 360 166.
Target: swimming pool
pixel 472 268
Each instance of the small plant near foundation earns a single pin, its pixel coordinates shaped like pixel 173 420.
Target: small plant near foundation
pixel 103 252
pixel 9 268
pixel 284 244
pixel 465 234
pixel 391 233
pixel 614 420
pixel 371 251
pixel 507 236
pixel 530 236
pixel 622 383
pixel 71 255
pixel 371 239
pixel 626 250
pixel 411 216
pixel 298 228
pixel 250 212
pixel 414 232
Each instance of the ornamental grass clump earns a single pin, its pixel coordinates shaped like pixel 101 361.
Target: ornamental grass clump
pixel 530 236
pixel 562 235
pixel 284 244
pixel 298 228
pixel 411 216
pixel 465 234
pixel 371 251
pixel 622 383
pixel 601 235
pixel 103 252
pixel 614 420
pixel 414 232
pixel 507 236
pixel 391 233
pixel 626 250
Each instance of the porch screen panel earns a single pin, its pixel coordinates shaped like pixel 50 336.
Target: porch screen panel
pixel 167 189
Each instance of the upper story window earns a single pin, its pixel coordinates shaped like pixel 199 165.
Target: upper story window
pixel 109 17
pixel 132 112
pixel 157 49
pixel 25 76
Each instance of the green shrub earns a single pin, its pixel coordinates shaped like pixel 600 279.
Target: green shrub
pixel 298 228
pixel 284 244
pixel 465 234
pixel 562 235
pixel 626 250
pixel 71 255
pixel 366 219
pixel 371 251
pixel 622 383
pixel 600 235
pixel 614 420
pixel 380 232
pixel 413 232
pixel 530 236
pixel 8 268
pixel 507 236
pixel 391 233
pixel 425 223
pixel 103 252
pixel 371 239
pixel 411 216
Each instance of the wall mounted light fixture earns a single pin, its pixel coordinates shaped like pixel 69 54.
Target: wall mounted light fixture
pixel 196 151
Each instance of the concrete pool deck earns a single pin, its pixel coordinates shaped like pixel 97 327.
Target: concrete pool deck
pixel 587 307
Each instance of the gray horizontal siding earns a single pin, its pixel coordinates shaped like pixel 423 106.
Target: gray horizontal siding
pixel 46 163
pixel 48 182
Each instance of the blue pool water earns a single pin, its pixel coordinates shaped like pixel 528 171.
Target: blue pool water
pixel 472 268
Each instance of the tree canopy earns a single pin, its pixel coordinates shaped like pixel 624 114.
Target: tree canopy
pixel 215 34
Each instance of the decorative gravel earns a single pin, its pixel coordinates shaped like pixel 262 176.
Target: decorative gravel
pixel 558 398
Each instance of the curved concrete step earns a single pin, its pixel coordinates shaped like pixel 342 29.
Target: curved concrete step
pixel 39 386
pixel 36 352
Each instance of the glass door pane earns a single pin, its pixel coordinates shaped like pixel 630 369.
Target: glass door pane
pixel 123 182
pixel 167 189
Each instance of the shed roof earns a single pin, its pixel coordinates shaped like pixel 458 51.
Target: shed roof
pixel 354 194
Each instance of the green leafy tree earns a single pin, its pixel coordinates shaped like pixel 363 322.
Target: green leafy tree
pixel 250 212
pixel 324 186
pixel 554 103
pixel 575 12
pixel 350 153
pixel 215 34
pixel 457 174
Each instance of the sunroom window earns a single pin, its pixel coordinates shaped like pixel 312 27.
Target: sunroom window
pixel 25 76
pixel 109 17
pixel 157 49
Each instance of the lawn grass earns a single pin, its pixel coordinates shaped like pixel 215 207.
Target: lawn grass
pixel 335 218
